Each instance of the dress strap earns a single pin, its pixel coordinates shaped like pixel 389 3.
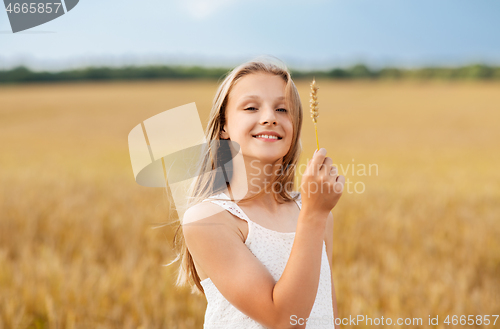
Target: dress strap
pixel 229 205
pixel 298 200
pixel 234 209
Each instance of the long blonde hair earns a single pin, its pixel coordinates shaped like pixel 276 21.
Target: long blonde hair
pixel 205 185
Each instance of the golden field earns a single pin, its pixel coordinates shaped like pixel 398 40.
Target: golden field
pixel 78 247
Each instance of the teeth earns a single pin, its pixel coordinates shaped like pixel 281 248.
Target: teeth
pixel 267 136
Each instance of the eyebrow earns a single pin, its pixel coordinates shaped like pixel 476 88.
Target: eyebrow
pixel 257 97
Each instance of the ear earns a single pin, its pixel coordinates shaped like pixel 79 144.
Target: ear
pixel 224 134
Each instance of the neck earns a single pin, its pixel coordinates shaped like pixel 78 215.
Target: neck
pixel 251 176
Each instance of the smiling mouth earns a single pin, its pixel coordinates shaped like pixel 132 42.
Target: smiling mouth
pixel 267 137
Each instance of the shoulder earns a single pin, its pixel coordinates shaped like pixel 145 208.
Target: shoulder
pixel 206 220
pixel 204 211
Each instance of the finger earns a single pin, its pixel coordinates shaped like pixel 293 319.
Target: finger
pixel 339 184
pixel 318 159
pixel 326 166
pixel 334 172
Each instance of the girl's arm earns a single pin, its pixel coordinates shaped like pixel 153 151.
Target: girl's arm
pixel 216 244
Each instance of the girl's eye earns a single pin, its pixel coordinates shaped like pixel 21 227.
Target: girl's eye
pixel 253 108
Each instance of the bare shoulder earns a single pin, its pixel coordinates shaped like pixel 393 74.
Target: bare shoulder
pixel 203 211
pixel 207 218
pixel 202 225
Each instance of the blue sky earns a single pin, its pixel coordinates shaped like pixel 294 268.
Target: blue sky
pixel 305 34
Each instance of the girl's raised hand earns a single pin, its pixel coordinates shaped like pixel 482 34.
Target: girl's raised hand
pixel 321 187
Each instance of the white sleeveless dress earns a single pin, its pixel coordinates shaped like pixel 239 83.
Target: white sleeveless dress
pixel 273 249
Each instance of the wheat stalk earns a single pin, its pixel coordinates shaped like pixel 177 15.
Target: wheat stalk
pixel 314 107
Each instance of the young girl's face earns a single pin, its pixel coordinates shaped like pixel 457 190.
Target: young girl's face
pixel 255 105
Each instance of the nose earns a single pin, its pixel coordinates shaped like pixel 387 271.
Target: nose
pixel 268 116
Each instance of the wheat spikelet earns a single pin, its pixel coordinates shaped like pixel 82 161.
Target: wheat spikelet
pixel 314 107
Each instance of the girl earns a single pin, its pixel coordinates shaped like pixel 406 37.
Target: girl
pixel 265 262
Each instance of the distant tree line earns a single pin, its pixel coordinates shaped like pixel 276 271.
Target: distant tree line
pixel 23 74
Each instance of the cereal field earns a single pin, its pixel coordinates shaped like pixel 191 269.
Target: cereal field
pixel 417 235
